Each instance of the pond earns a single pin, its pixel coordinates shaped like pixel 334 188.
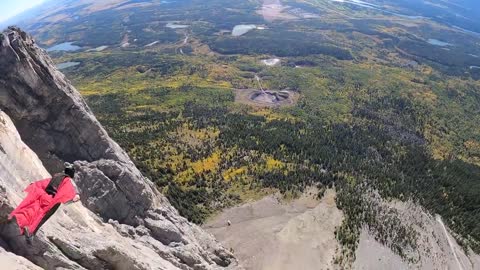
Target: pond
pixel 66 46
pixel 67 65
pixel 176 26
pixel 242 29
pixel 271 62
pixel 437 42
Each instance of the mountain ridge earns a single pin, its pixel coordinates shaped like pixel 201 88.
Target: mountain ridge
pixel 53 119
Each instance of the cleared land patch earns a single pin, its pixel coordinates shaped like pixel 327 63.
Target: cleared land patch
pixel 267 98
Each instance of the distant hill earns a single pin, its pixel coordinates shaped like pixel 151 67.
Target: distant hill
pixel 460 13
pixel 54 19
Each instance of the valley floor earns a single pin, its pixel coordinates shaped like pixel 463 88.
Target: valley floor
pixel 300 234
pixel 270 234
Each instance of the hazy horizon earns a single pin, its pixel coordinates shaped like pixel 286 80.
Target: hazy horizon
pixel 12 8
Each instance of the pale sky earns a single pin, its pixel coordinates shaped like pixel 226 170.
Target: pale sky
pixel 10 8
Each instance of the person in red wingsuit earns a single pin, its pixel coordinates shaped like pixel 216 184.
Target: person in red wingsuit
pixel 43 200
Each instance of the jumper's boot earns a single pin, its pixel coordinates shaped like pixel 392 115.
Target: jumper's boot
pixel 28 236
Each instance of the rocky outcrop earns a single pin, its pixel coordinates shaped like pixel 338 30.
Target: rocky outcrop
pixel 13 262
pixel 11 151
pixel 128 223
pixel 435 246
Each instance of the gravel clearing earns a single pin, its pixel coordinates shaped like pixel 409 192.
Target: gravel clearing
pixel 272 235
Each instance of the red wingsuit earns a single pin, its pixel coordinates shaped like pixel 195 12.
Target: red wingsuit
pixel 37 203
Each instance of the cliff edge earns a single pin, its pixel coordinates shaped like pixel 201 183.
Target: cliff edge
pixel 123 222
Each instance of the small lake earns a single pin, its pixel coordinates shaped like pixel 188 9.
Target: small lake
pixel 437 42
pixel 177 26
pixel 67 65
pixel 474 67
pixel 242 29
pixel 271 62
pixel 66 46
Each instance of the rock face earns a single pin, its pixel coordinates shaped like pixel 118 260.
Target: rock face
pixel 128 223
pixel 13 262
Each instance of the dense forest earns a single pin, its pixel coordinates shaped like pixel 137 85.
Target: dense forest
pixel 204 156
pixel 293 44
pixel 363 130
pixel 384 112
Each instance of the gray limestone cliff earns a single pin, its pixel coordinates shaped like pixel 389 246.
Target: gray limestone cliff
pixel 123 222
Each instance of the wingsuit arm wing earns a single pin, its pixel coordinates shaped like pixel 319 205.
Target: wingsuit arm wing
pixel 75 186
pixel 66 191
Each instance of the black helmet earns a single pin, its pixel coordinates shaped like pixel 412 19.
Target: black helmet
pixel 69 170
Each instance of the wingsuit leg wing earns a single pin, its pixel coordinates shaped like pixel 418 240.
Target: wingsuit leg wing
pixel 33 210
